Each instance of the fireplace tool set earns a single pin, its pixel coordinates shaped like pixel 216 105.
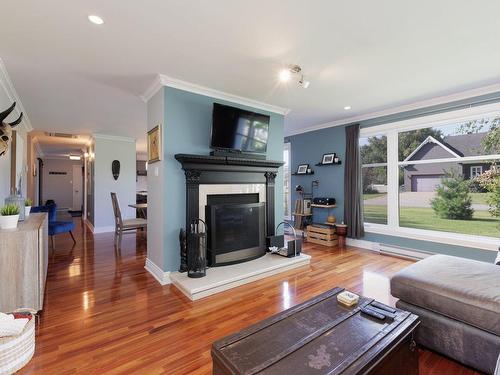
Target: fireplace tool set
pixel 197 249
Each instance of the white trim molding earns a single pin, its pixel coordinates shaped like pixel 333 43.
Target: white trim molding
pixel 363 244
pixel 449 238
pixel 440 100
pixel 11 92
pixel 162 277
pixel 107 229
pixel 165 81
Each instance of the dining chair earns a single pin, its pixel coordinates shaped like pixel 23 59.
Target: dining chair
pixel 55 226
pixel 124 225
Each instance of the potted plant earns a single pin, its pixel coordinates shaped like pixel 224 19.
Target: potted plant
pixel 9 215
pixel 27 207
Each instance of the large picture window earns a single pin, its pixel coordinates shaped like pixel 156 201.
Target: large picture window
pixel 437 174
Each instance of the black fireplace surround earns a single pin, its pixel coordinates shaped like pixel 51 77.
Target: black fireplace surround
pixel 243 209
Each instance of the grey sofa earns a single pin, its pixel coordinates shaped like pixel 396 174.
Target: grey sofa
pixel 458 301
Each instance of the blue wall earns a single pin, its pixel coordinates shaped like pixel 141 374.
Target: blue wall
pixel 309 148
pixel 188 120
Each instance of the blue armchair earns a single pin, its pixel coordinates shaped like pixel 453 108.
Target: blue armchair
pixel 55 227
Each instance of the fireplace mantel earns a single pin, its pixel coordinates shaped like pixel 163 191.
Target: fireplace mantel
pixel 206 169
pixel 202 161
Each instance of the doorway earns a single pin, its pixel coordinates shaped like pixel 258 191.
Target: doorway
pixel 77 188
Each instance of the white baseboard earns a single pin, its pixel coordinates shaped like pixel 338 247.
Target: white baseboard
pixel 363 244
pixel 108 229
pixel 162 277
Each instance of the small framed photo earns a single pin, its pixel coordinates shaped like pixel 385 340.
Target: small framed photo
pixel 302 168
pixel 328 158
pixel 154 144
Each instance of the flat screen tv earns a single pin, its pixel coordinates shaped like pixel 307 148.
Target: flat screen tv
pixel 239 130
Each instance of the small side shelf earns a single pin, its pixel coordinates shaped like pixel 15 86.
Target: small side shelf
pixel 327 165
pixel 323 205
pixel 295 214
pixel 302 174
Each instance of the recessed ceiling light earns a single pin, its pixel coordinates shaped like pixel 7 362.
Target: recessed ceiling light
pixel 96 19
pixel 347 107
pixel 285 75
pixel 75 157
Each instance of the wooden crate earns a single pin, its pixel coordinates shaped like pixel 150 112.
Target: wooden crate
pixel 322 235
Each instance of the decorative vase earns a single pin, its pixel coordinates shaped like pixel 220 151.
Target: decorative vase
pixel 9 222
pixel 331 219
pixel 27 210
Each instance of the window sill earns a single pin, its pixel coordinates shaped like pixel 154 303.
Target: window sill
pixel 457 239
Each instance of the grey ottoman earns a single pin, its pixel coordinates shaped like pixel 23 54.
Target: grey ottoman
pixel 458 301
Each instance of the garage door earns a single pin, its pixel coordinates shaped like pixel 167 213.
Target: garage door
pixel 425 183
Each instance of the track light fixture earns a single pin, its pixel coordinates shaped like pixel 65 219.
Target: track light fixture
pixel 287 74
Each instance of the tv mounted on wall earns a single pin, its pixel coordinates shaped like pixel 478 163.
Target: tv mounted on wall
pixel 234 129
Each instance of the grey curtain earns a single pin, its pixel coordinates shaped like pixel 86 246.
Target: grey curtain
pixel 353 208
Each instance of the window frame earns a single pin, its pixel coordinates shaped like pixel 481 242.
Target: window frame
pixel 391 131
pixel 474 171
pixel 287 146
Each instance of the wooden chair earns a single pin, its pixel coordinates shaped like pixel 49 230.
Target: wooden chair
pixel 124 225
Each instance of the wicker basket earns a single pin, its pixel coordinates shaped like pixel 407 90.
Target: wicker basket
pixel 17 351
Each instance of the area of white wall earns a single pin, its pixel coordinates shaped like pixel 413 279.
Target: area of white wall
pixel 107 149
pixel 156 194
pixel 142 183
pixel 59 187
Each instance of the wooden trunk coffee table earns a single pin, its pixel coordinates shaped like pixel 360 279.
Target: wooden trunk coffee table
pixel 321 336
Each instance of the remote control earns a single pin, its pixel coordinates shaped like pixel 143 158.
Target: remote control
pixel 382 312
pixel 373 313
pixel 381 306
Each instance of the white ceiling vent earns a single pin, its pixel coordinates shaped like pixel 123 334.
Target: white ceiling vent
pixel 61 135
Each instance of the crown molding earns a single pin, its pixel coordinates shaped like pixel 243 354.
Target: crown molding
pixel 165 81
pixel 153 88
pixel 404 108
pixel 113 137
pixel 11 92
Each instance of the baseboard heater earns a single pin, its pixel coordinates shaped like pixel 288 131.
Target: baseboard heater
pixel 403 252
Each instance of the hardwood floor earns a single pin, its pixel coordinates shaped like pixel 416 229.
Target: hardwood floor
pixel 105 314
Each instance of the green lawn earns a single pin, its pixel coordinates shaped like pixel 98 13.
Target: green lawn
pixel 482 224
pixel 479 198
pixel 374 195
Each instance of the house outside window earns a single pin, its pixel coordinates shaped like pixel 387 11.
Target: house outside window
pixel 406 164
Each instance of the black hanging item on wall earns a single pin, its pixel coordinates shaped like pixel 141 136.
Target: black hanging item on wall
pixel 183 247
pixel 115 169
pixel 197 249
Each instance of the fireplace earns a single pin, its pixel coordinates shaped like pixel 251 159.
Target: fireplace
pixel 236 228
pixel 235 196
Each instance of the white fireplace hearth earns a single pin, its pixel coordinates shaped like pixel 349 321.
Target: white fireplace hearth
pixel 219 279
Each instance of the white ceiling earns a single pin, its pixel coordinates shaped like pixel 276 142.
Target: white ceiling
pixel 73 76
pixel 54 146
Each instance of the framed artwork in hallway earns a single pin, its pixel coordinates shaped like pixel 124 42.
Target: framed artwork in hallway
pixel 154 144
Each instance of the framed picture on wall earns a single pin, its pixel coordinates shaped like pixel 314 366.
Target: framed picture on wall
pixel 328 158
pixel 154 144
pixel 302 168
